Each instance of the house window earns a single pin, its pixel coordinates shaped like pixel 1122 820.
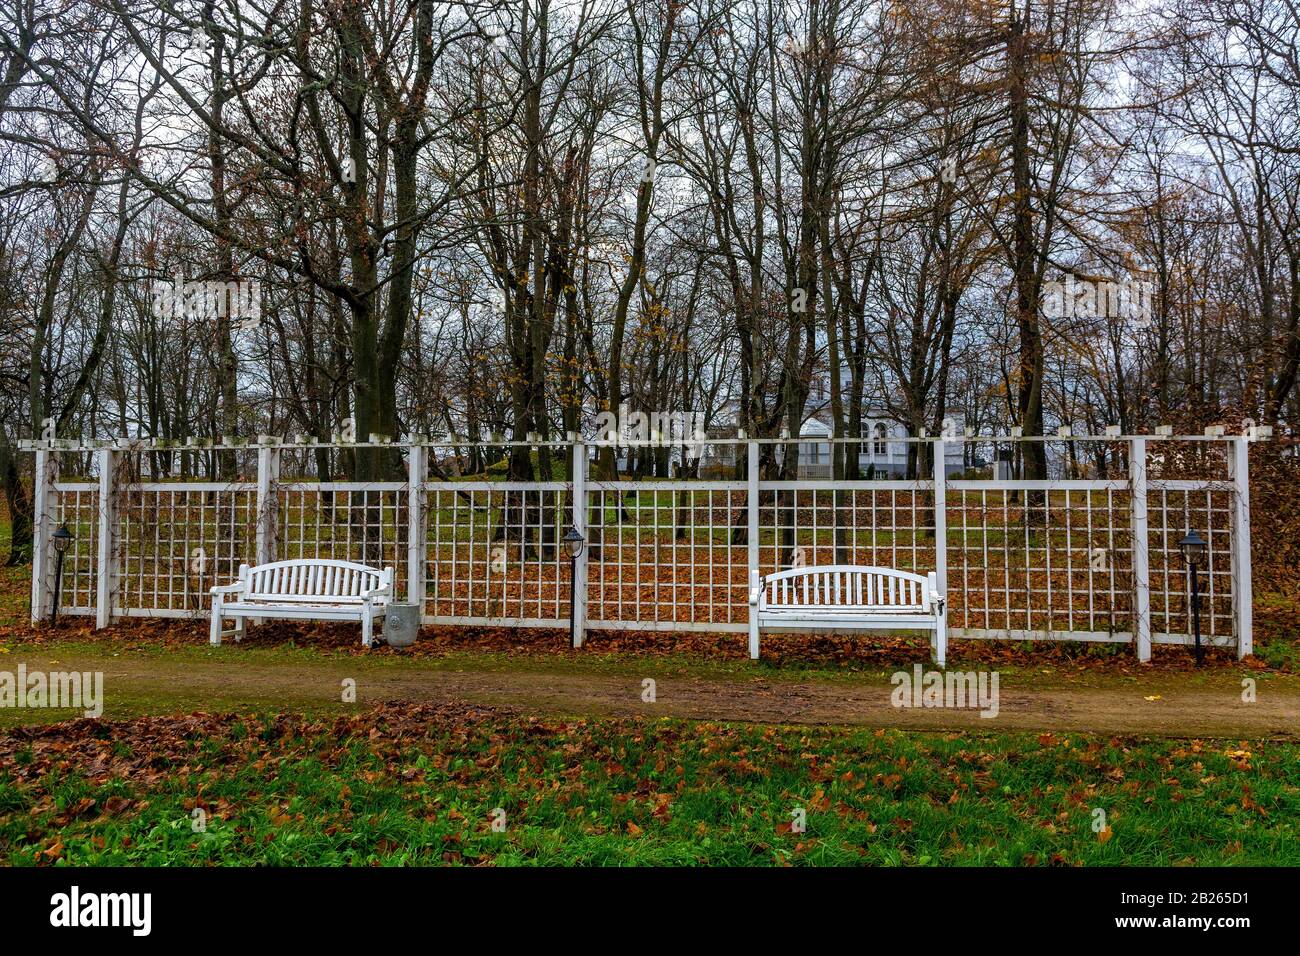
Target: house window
pixel 880 433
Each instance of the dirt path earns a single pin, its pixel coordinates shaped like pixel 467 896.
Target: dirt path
pixel 135 685
pixel 1088 709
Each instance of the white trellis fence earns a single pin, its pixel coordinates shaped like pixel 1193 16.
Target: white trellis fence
pixel 1068 558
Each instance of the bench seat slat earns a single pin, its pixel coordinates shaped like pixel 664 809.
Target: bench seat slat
pixel 847 611
pixel 848 621
pixel 303 611
pixel 302 598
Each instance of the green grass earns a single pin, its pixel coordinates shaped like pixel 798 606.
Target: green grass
pixel 420 786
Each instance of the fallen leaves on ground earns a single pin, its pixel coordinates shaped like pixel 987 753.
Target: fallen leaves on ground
pixel 818 650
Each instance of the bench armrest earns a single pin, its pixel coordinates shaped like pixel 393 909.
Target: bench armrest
pixel 755 593
pixel 385 589
pixel 938 600
pixel 235 588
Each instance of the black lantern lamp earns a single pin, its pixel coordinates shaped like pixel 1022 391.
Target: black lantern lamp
pixel 573 542
pixel 1193 547
pixel 61 539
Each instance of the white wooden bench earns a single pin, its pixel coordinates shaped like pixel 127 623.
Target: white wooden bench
pixel 844 597
pixel 305 589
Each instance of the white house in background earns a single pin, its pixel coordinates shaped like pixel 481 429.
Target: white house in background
pixel 882 453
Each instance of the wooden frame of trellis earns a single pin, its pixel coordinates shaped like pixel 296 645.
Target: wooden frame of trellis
pixel 1091 559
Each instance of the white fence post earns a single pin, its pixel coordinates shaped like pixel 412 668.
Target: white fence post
pixel 42 527
pixel 1242 590
pixel 417 472
pixel 940 472
pixel 751 476
pixel 106 552
pixel 268 512
pixel 1137 467
pixel 751 538
pixel 578 482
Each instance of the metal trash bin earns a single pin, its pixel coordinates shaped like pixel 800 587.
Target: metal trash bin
pixel 401 624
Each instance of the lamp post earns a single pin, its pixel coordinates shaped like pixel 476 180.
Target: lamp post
pixel 61 538
pixel 573 542
pixel 1193 547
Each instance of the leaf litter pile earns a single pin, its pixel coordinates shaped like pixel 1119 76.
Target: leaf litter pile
pixel 454 784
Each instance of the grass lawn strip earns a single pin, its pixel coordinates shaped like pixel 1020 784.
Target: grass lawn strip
pixel 422 784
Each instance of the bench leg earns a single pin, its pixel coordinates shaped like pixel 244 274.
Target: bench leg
pixel 939 643
pixel 753 637
pixel 367 630
pixel 239 629
pixel 214 632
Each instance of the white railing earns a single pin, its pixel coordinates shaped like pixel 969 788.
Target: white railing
pixel 1085 559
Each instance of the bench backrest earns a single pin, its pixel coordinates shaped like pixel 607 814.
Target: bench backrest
pixel 848 587
pixel 313 580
